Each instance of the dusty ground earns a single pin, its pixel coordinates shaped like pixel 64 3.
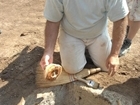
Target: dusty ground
pixel 21 47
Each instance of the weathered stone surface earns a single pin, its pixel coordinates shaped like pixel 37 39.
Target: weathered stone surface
pixel 74 94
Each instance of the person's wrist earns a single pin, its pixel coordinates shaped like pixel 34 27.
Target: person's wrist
pixel 48 52
pixel 114 54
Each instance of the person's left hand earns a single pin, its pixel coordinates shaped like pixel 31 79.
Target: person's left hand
pixel 112 64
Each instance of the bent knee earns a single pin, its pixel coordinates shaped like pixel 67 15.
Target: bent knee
pixel 73 70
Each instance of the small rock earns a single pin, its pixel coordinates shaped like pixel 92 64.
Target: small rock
pixel 22 34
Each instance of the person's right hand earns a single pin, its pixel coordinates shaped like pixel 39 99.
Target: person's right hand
pixel 112 64
pixel 46 60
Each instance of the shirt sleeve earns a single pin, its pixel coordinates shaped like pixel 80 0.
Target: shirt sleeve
pixel 53 10
pixel 117 9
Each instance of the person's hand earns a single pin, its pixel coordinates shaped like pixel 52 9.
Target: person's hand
pixel 112 64
pixel 46 60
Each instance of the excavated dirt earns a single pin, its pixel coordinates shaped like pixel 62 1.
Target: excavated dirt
pixel 21 47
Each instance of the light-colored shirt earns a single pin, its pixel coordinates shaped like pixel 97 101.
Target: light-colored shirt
pixel 85 18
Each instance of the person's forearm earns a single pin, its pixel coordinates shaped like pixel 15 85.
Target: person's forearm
pixel 51 33
pixel 118 35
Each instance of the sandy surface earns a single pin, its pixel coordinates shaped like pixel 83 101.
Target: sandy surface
pixel 21 47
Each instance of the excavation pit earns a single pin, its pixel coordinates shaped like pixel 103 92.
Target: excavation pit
pixel 74 94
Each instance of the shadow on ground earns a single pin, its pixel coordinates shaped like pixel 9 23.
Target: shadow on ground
pixel 20 75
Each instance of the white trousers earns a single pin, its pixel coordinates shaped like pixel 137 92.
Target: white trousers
pixel 72 51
